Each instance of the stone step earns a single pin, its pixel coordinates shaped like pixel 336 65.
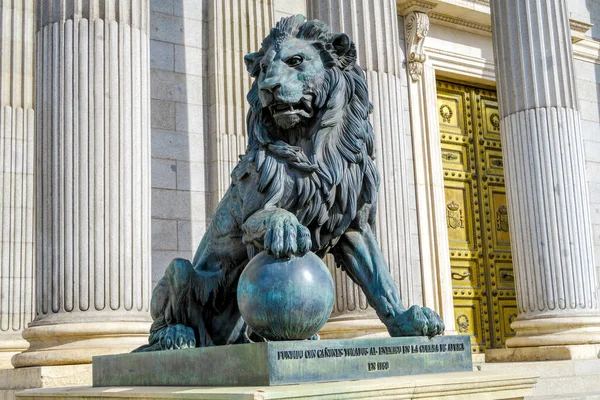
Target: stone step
pixel 453 385
pixel 569 396
pixel 557 378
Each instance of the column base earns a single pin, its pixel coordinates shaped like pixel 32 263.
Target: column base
pixel 353 328
pixel 77 343
pixel 554 331
pixel 8 348
pixel 552 338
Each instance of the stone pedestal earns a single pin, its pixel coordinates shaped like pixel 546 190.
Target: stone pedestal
pixel 291 362
pixel 373 26
pixel 551 238
pixel 17 34
pixel 93 182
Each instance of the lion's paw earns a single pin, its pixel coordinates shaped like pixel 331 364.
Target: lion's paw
pixel 286 236
pixel 418 321
pixel 176 337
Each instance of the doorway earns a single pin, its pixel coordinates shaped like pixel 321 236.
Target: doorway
pixel 476 215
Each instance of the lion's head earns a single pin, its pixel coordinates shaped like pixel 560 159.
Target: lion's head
pixel 309 120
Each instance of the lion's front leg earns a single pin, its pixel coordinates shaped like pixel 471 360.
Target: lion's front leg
pixel 359 253
pixel 277 231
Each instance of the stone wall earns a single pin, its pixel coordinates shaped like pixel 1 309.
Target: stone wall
pixel 178 55
pixel 588 91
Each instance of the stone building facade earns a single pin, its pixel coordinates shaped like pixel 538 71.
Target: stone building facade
pixel 121 121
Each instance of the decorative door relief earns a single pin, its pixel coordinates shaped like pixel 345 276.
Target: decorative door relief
pixel 502 219
pixel 476 214
pixel 454 215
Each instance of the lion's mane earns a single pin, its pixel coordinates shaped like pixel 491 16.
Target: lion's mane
pixel 338 175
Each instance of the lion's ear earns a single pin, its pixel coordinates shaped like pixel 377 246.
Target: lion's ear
pixel 252 61
pixel 345 50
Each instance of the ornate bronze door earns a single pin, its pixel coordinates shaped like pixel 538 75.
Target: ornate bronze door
pixel 482 273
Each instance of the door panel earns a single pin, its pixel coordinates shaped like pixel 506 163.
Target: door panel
pixel 477 219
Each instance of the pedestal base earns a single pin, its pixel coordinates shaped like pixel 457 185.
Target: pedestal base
pixel 458 386
pixel 287 362
pixel 543 353
pixel 77 343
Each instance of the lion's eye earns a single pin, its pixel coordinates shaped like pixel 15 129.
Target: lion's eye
pixel 294 61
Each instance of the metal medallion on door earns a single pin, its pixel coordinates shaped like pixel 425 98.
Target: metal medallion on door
pixel 476 216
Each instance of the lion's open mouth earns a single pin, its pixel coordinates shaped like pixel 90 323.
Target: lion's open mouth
pixel 303 108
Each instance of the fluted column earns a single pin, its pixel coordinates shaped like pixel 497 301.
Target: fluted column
pixel 17 36
pixel 557 292
pixel 93 181
pixel 373 26
pixel 235 29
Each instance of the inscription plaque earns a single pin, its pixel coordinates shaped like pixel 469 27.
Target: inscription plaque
pixel 287 362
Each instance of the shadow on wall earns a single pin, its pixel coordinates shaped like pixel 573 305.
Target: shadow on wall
pixel 178 71
pixel 593 7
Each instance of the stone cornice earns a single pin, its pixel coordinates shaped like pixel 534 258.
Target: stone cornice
pixel 579 26
pixel 448 20
pixel 447 13
pixel 405 7
pixel 578 29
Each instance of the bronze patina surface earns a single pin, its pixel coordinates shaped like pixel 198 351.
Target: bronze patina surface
pixel 308 181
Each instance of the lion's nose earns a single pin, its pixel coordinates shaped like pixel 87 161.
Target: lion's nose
pixel 268 92
pixel 269 86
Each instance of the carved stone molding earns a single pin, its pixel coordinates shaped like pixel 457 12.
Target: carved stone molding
pixel 578 30
pixel 408 6
pixel 443 19
pixel 416 26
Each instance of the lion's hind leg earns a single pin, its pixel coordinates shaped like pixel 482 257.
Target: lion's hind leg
pixel 173 298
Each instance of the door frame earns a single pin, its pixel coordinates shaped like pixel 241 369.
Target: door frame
pixel 440 62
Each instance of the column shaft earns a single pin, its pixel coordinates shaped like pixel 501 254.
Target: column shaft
pixel 373 26
pixel 550 225
pixel 17 35
pixel 93 181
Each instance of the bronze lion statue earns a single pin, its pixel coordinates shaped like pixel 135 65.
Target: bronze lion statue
pixel 307 181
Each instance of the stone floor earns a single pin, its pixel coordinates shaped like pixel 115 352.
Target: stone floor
pixel 458 385
pixel 571 379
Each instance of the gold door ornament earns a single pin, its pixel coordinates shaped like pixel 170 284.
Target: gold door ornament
pixel 446 113
pixel 476 215
pixel 495 121
pixel 462 322
pixel 502 219
pixel 454 215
